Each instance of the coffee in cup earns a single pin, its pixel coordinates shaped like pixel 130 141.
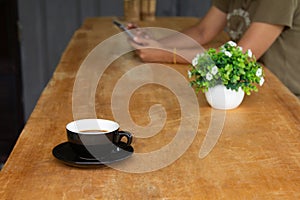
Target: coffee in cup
pixel 94 138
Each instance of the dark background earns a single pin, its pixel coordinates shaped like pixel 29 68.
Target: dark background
pixel 11 110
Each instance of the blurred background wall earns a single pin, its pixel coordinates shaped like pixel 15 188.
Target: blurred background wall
pixel 47 26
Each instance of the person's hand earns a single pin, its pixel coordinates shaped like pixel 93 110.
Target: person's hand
pixel 131 26
pixel 150 50
pixel 139 32
pixel 147 48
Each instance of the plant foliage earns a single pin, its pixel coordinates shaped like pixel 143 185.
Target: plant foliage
pixel 228 66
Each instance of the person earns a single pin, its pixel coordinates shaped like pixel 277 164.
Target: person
pixel 271 29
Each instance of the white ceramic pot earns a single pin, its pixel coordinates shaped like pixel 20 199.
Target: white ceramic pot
pixel 219 97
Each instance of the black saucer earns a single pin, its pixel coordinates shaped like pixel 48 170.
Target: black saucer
pixel 65 153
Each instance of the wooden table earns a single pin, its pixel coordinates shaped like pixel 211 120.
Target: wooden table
pixel 257 155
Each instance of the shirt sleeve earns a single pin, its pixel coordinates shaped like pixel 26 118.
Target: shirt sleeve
pixel 280 12
pixel 222 5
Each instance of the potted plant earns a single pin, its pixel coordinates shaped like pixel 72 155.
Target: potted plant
pixel 225 75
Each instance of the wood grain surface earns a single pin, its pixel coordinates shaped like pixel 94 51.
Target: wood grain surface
pixel 256 157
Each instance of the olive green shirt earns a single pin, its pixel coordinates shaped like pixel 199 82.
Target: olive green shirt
pixel 283 57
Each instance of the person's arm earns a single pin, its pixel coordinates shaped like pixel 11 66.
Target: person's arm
pixel 259 37
pixel 209 27
pixel 203 32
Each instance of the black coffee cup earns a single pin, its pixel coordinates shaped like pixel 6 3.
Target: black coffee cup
pixel 95 138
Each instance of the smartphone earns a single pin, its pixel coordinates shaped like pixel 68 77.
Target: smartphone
pixel 128 32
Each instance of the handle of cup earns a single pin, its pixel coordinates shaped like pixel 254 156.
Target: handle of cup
pixel 126 134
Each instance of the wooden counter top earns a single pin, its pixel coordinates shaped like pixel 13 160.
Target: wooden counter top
pixel 256 157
